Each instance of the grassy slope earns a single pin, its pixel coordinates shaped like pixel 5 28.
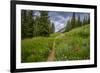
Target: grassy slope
pixel 72 46
pixel 75 45
pixel 36 49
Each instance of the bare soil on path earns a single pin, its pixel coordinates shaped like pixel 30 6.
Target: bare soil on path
pixel 51 56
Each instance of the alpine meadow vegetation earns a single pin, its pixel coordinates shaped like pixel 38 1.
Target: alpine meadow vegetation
pixel 39 39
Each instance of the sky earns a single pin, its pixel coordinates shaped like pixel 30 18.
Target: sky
pixel 60 18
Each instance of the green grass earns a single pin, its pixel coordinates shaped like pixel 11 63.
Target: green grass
pixel 35 49
pixel 55 34
pixel 73 45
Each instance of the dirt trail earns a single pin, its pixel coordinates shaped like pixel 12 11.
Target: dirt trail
pixel 51 56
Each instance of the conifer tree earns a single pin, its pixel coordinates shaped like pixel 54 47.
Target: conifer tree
pixel 26 24
pixel 45 24
pixel 78 21
pixel 68 26
pixel 30 23
pixel 23 24
pixel 52 28
pixel 73 20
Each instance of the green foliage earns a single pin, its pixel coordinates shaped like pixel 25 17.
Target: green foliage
pixel 55 34
pixel 35 49
pixel 43 24
pixel 23 22
pixel 73 20
pixel 86 20
pixel 40 26
pixel 71 23
pixel 75 45
pixel 26 23
pixel 68 26
pixel 53 28
pixel 74 23
pixel 78 22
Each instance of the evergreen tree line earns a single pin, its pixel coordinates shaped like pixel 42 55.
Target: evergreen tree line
pixel 32 25
pixel 76 22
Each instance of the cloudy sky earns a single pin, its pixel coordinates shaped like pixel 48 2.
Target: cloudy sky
pixel 60 18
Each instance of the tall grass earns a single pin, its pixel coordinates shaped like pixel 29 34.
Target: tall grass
pixel 35 49
pixel 75 45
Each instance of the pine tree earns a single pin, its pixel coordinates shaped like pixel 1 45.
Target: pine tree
pixel 36 27
pixel 71 23
pixel 85 20
pixel 52 28
pixel 26 24
pixel 23 24
pixel 73 20
pixel 45 24
pixel 68 26
pixel 78 21
pixel 88 20
pixel 42 25
pixel 30 23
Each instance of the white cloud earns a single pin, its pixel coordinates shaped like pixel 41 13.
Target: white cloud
pixel 58 26
pixel 59 19
pixel 61 23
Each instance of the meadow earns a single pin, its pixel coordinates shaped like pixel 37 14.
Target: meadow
pixel 72 45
